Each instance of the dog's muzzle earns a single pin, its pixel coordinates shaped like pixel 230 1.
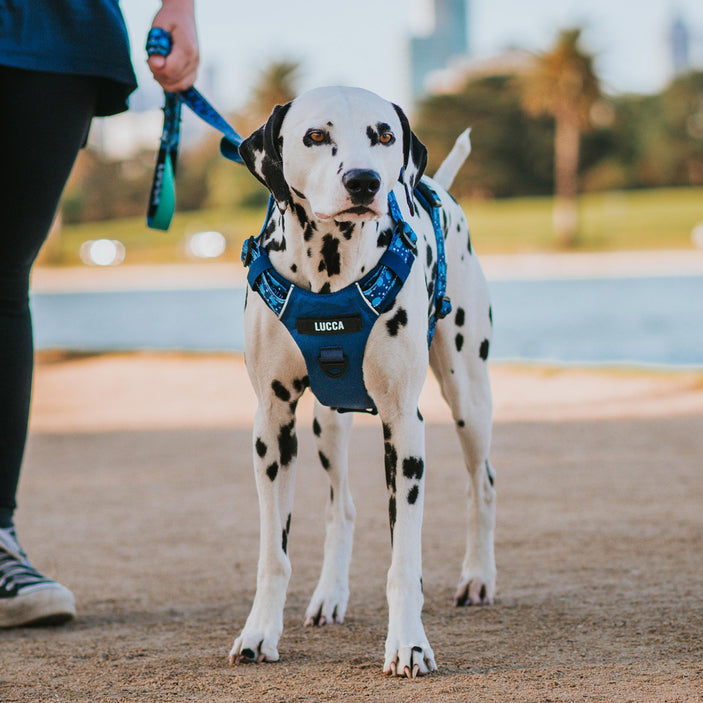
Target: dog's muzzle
pixel 362 185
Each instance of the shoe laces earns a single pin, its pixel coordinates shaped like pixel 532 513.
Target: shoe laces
pixel 16 572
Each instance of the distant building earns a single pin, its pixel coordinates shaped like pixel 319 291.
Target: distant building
pixel 679 45
pixel 434 51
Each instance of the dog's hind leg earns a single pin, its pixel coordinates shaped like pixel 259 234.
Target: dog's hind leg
pixel 329 600
pixel 458 358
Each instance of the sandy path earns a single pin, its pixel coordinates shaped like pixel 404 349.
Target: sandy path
pixel 138 495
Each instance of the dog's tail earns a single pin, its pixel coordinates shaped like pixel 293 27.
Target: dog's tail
pixel 450 166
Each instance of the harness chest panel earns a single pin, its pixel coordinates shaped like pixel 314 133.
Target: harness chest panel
pixel 332 329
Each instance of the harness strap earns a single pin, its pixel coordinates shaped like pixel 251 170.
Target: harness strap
pixel 162 198
pixel 331 329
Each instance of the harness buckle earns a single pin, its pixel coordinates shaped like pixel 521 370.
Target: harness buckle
pixel 444 307
pixel 408 236
pixel 333 362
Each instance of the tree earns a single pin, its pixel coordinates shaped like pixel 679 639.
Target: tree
pixel 510 150
pixel 277 85
pixel 563 84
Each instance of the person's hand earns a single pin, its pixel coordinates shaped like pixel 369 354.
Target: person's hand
pixel 178 70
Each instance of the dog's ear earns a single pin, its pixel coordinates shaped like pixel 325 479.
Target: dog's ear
pixel 261 152
pixel 414 159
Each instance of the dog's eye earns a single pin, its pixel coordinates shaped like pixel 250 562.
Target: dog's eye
pixel 315 136
pixel 386 138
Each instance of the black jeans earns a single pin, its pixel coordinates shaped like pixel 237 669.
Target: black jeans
pixel 44 121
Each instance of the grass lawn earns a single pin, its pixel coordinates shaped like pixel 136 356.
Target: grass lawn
pixel 652 219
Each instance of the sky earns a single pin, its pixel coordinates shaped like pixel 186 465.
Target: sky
pixel 365 42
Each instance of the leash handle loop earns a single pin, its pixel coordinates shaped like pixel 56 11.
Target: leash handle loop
pixel 162 197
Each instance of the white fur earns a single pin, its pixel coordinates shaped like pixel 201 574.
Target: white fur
pixel 394 369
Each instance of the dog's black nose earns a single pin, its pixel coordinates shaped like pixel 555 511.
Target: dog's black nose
pixel 361 184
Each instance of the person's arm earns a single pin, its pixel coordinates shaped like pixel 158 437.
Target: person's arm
pixel 178 70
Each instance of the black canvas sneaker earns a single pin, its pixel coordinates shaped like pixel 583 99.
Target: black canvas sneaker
pixel 26 596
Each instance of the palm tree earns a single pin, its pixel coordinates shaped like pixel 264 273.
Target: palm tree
pixel 563 84
pixel 276 86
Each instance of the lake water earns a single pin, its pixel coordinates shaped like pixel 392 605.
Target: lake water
pixel 649 321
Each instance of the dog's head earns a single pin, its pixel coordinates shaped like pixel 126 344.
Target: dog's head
pixel 340 149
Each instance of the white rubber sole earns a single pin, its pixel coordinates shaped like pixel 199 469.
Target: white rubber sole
pixel 48 604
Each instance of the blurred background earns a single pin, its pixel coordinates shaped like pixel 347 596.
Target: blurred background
pixel 584 191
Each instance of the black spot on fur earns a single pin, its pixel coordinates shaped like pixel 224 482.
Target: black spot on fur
pixel 326 288
pixel 391 462
pixel 491 477
pixel 308 233
pixel 293 405
pixel 400 319
pixel 459 341
pixel 372 134
pixel 300 214
pixel 347 229
pixel 387 433
pixel 468 243
pixel 281 391
pixel 460 317
pixel 330 254
pixel 483 351
pixel 300 384
pixel 334 151
pixel 298 193
pixel 413 494
pixel 288 524
pixel 287 443
pixel 260 448
pixel 331 494
pixel 270 229
pixel 275 245
pixel 413 467
pixel 490 315
pixel 316 427
pixel 284 542
pixel 429 256
pixel 392 514
pixel 384 238
pixel 324 461
pixel 272 471
pixel 419 416
pixel 309 252
pixel 460 423
pixel 293 268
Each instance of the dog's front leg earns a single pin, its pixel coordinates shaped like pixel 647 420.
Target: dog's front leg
pixel 329 600
pixel 408 653
pixel 275 449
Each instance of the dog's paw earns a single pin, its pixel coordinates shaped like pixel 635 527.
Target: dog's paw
pixel 326 608
pixel 474 591
pixel 253 647
pixel 409 661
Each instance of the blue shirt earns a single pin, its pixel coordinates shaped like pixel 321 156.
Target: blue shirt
pixel 80 37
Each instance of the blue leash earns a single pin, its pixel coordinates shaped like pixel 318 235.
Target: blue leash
pixel 162 198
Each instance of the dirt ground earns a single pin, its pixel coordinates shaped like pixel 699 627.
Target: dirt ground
pixel 138 494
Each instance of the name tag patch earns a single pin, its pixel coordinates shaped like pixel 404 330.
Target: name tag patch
pixel 340 324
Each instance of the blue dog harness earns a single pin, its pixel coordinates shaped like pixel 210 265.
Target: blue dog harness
pixel 331 329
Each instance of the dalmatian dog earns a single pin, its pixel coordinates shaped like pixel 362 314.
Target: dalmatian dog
pixel 330 158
